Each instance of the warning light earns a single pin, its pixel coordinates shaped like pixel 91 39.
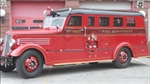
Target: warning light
pixel 48 11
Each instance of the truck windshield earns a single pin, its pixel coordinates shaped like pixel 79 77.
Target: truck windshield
pixel 52 22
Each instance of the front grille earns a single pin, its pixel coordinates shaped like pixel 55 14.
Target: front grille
pixel 6 47
pixel 40 41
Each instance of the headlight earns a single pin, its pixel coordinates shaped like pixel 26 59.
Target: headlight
pixel 1 40
pixel 8 43
pixel 11 42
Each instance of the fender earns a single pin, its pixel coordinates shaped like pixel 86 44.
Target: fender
pixel 19 50
pixel 121 45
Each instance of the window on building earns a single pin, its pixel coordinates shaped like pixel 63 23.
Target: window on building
pixel 20 21
pixel 91 21
pixel 20 28
pixel 37 21
pixel 130 22
pixel 75 21
pixel 104 21
pixel 118 21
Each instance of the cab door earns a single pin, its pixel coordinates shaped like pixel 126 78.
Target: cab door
pixel 74 38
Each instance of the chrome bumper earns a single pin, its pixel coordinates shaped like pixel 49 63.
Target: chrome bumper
pixel 6 61
pixel 3 57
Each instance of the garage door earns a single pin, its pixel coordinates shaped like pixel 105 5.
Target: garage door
pixel 106 5
pixel 29 15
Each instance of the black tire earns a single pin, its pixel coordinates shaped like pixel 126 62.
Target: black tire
pixel 93 63
pixel 26 71
pixel 7 69
pixel 123 58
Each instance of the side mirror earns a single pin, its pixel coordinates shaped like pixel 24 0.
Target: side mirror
pixel 58 27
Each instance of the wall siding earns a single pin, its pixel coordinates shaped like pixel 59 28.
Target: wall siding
pixel 68 3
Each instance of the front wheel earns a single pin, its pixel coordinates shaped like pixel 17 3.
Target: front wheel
pixel 123 58
pixel 29 64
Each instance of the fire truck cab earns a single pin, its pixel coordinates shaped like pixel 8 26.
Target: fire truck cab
pixel 72 36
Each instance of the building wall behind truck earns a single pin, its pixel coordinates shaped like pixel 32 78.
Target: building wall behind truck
pixel 145 8
pixel 6 25
pixel 29 14
pixel 68 3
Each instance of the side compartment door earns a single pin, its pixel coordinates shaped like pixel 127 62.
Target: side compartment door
pixel 91 38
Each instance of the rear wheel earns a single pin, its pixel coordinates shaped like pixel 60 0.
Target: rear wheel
pixel 123 58
pixel 29 64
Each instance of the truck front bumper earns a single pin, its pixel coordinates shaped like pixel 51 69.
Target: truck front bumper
pixel 6 61
pixel 3 57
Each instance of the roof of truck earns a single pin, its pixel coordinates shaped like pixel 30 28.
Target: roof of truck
pixel 67 11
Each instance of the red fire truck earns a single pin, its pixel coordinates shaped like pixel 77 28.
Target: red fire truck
pixel 71 36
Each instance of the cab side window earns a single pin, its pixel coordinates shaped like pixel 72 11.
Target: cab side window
pixel 104 21
pixel 75 21
pixel 118 21
pixel 91 21
pixel 130 22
